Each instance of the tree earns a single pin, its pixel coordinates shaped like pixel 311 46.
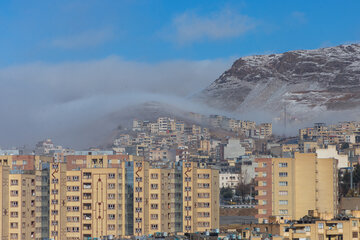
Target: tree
pixel 226 193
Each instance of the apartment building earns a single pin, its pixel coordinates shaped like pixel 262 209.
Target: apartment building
pixel 228 179
pixel 98 161
pixel 133 198
pixel 21 205
pixel 200 198
pixel 289 187
pixel 4 202
pixel 42 202
pixel 308 228
pixel 24 162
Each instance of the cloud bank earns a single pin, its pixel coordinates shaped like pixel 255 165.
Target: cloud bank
pixel 70 101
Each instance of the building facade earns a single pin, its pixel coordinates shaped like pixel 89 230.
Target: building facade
pixel 289 187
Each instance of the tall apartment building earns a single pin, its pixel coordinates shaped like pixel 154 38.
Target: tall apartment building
pixel 133 198
pixel 4 201
pixel 289 187
pixel 200 198
pixel 24 201
pixel 22 205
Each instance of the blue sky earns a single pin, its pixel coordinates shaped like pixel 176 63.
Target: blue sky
pixel 68 66
pixel 157 31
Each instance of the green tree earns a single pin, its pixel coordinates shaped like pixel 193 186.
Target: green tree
pixel 226 193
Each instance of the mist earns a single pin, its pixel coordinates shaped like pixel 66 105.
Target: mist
pixel 71 102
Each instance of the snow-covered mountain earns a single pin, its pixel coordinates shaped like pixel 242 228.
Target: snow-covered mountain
pixel 305 82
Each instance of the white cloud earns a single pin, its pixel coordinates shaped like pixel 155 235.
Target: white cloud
pixel 84 39
pixel 191 27
pixel 71 101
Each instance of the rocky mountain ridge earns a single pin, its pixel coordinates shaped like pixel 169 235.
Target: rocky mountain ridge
pixel 305 82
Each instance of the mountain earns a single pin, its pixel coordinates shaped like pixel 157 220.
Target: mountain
pixel 304 82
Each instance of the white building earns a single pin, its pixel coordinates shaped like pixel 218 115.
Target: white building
pixel 331 152
pixel 233 149
pixel 229 180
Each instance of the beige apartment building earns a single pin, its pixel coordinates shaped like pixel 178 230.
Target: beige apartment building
pixel 134 198
pixel 289 187
pixel 22 206
pixel 200 198
pixel 4 202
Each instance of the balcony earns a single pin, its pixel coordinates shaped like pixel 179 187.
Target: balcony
pixel 87 227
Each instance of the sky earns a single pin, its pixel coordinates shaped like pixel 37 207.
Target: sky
pixel 66 65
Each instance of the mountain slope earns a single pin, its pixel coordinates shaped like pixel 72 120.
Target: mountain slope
pixel 303 81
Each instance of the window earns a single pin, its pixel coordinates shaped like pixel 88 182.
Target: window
pixel 111 175
pixel 154 226
pixel 138 189
pixel 283 193
pixel 14 214
pixel 75 178
pixel 111 186
pixel 14 182
pixel 283 183
pixel 283 164
pixel 154 216
pixel 339 225
pixel 283 202
pixel 154 206
pixel 187 189
pixel 138 220
pixel 187 218
pixel 283 174
pixel 187 179
pixel 355 235
pixel 75 188
pixel 154 186
pixel 154 196
pixel 264 174
pixel 111 227
pixel 264 183
pixel 154 176
pixel 188 198
pixel 14 203
pixel 138 164
pixel 283 211
pixel 111 216
pixel 264 193
pixel 354 223
pixel 138 210
pixel 111 206
pixel 138 179
pixel 138 199
pixel 264 202
pixel 111 196
pixel 320 225
pixel 264 164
